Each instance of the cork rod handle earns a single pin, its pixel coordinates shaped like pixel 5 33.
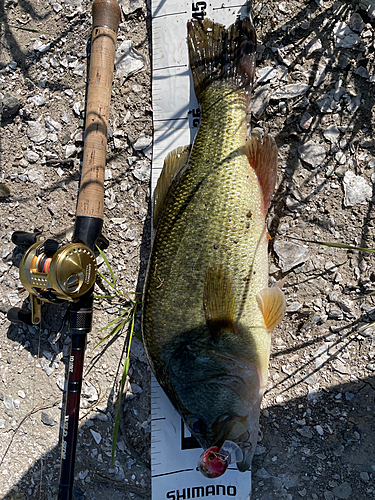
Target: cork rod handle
pixel 106 17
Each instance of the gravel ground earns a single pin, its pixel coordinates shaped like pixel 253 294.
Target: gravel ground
pixel 314 94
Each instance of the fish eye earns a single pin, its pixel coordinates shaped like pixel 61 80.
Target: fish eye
pixel 198 426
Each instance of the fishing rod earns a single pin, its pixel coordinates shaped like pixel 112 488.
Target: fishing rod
pixel 56 273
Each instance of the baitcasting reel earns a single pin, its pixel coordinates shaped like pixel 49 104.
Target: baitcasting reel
pixel 52 272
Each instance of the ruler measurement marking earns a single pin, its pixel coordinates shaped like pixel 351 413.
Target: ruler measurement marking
pixel 171 67
pixel 171 14
pixel 174 472
pixel 228 7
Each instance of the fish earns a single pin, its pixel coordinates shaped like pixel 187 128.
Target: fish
pixel 207 308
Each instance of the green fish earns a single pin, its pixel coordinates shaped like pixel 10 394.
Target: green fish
pixel 207 308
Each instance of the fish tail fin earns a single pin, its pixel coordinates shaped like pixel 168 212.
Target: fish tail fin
pixel 217 53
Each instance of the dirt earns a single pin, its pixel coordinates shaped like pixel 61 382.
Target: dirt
pixel 317 429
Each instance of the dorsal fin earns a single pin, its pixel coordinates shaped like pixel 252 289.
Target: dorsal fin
pixel 272 303
pixel 262 157
pixel 219 300
pixel 173 164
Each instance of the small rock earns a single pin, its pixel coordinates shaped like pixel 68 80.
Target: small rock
pixel 130 6
pixel 35 176
pixel 266 74
pixel 260 101
pixel 314 45
pixel 41 47
pixel 344 36
pixel 354 104
pixel 293 307
pixel 128 60
pixel 290 254
pixel 142 171
pixel 96 436
pixel 61 382
pixel 21 394
pixel 8 403
pixel 356 22
pixel 90 392
pixel 343 490
pixel 56 7
pixel 36 132
pixel 9 105
pixel 47 419
pixel 332 134
pixel 79 69
pixel 66 118
pixel 320 75
pixel 78 107
pixel 319 430
pixel 263 474
pixel 305 432
pixel 52 125
pixel 130 234
pixel 356 189
pixel 31 156
pixel 312 153
pixel 362 72
pixel 365 477
pixel 39 100
pixel 325 103
pixel 290 91
pixel 306 121
pixel 142 142
pixel 70 150
pixel 14 299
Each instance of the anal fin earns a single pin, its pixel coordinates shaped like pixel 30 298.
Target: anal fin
pixel 174 163
pixel 272 303
pixel 219 300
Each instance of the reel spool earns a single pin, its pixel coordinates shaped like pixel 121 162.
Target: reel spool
pixel 56 273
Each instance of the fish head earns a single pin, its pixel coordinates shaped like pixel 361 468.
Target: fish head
pixel 219 401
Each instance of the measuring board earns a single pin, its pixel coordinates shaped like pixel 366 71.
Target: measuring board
pixel 174 452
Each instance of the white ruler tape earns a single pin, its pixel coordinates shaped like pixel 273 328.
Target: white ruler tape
pixel 174 453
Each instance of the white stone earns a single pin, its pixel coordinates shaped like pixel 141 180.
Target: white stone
pixel 96 436
pixel 356 189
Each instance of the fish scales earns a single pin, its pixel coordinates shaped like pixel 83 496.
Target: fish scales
pixel 214 218
pixel 207 310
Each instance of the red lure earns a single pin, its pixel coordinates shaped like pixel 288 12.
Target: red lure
pixel 212 463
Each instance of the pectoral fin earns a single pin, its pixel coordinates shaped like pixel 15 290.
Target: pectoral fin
pixel 174 163
pixel 272 304
pixel 219 300
pixel 262 156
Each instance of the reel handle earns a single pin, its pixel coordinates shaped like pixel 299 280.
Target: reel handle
pixel 106 18
pixel 23 238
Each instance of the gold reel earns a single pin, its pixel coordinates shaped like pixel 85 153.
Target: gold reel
pixel 53 273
